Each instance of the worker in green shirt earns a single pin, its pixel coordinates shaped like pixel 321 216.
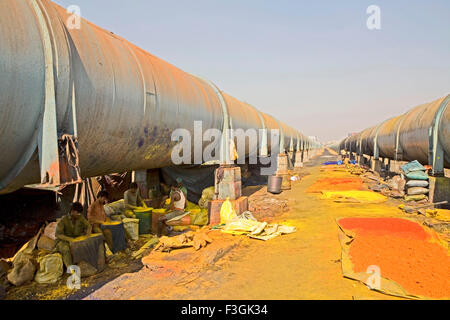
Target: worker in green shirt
pixel 71 226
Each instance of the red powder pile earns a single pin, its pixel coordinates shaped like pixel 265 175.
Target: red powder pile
pixel 335 184
pixel 404 252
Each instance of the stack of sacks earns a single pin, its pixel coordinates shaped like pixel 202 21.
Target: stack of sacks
pixel 417 181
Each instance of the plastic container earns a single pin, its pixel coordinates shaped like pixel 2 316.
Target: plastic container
pixel 118 235
pixel 145 220
pixel 274 184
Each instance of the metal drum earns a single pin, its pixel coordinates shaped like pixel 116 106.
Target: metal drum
pixel 274 184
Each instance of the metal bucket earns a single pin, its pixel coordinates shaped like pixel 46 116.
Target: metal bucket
pixel 274 184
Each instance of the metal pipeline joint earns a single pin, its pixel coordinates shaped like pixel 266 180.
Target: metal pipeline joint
pixel 79 102
pixel 422 134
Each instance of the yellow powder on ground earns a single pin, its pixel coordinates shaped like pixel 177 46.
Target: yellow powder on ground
pixel 354 196
pixel 439 214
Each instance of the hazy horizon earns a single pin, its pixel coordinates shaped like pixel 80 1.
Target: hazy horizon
pixel 315 66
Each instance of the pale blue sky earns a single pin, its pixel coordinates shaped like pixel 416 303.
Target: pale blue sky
pixel 312 64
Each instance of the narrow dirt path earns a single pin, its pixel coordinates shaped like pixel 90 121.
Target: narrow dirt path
pixel 303 265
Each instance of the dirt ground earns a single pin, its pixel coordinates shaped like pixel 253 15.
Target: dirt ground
pixel 303 265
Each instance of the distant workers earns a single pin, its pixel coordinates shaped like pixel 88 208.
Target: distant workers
pixel 97 216
pixel 70 227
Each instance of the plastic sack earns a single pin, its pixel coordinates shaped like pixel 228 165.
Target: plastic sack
pixel 131 227
pixel 412 166
pixel 417 175
pixel 397 183
pixel 50 269
pixel 192 206
pixel 115 208
pixel 227 212
pixel 328 163
pixel 22 272
pixel 45 243
pixel 417 183
pixel 418 197
pixel 199 218
pixel 417 190
pixel 208 193
pixel 50 230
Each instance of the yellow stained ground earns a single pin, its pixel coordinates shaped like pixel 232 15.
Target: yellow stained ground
pixel 303 265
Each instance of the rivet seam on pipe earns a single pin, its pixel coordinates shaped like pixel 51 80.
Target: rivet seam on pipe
pixel 49 124
pixel 434 144
pixel 225 152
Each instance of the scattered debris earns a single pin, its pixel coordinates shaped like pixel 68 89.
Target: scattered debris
pixel 411 209
pixel 153 241
pixel 264 205
pixel 197 240
pixel 246 224
pixel 439 214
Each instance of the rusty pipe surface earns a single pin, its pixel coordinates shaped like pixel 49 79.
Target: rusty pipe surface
pixel 408 137
pixel 120 102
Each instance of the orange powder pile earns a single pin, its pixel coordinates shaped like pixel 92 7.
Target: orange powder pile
pixel 404 252
pixel 336 184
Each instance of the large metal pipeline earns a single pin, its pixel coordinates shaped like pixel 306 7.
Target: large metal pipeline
pixel 85 102
pixel 422 134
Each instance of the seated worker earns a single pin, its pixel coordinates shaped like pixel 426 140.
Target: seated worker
pixel 179 185
pixel 343 155
pixel 132 200
pixel 96 216
pixel 176 207
pixel 71 226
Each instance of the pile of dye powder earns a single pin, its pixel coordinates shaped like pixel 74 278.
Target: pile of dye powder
pixel 336 184
pixel 405 253
pixel 354 196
